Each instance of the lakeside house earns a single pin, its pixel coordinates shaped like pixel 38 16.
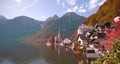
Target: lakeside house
pixel 67 42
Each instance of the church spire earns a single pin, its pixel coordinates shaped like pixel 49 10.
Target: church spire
pixel 59 36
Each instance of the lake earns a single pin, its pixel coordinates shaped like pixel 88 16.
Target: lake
pixel 20 52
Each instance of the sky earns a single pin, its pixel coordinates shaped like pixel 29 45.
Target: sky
pixel 42 9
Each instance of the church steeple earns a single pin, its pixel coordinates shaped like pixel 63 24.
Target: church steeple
pixel 59 36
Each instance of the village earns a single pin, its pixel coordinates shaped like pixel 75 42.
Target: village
pixel 91 42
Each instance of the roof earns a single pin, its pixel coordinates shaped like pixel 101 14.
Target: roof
pixel 66 40
pixel 89 48
pixel 116 19
pixel 107 44
pixel 100 39
pixel 82 36
pixel 85 26
pixel 92 55
pixel 100 24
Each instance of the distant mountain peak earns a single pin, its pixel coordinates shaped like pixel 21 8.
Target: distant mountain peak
pixel 52 18
pixel 22 17
pixel 2 17
pixel 55 17
pixel 68 23
pixel 18 27
pixel 70 13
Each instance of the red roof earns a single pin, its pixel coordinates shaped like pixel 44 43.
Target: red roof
pixel 107 44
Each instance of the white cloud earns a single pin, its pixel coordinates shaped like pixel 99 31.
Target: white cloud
pixel 43 17
pixel 93 4
pixel 82 8
pixel 69 10
pixel 74 9
pixel 18 1
pixel 63 4
pixel 30 5
pixel 92 7
pixel 100 3
pixel 87 6
pixel 58 1
pixel 67 2
pixel 71 2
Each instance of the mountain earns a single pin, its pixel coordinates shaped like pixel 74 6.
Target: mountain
pixel 66 24
pixel 2 20
pixel 19 27
pixel 106 13
pixel 52 18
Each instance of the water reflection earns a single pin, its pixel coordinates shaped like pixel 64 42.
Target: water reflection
pixel 78 56
pixel 19 52
pixel 6 61
pixel 37 61
pixel 34 61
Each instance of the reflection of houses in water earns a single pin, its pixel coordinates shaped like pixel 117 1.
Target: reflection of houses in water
pixel 67 42
pixel 58 38
pixel 54 39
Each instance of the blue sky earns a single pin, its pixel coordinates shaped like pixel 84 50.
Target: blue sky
pixel 42 9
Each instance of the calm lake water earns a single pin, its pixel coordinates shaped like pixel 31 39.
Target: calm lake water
pixel 19 52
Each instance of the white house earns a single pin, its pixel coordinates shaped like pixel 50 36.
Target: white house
pixel 80 40
pixel 67 41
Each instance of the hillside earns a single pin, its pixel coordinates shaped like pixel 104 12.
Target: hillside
pixel 113 57
pixel 50 20
pixel 2 20
pixel 66 24
pixel 106 12
pixel 19 27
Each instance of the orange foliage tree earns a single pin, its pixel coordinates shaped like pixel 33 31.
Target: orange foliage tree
pixel 52 39
pixel 115 33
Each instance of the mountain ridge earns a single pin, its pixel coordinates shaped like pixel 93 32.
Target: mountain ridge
pixel 67 24
pixel 105 13
pixel 19 27
pixel 2 19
